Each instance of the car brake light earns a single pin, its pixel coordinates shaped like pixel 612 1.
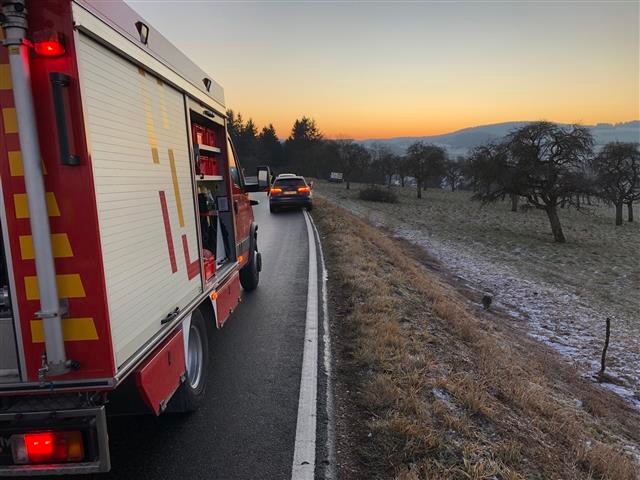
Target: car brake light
pixel 48 44
pixel 304 190
pixel 275 191
pixel 47 447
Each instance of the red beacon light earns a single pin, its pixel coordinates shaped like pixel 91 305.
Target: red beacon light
pixel 48 43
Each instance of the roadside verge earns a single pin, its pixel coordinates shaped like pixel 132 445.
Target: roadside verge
pixel 428 386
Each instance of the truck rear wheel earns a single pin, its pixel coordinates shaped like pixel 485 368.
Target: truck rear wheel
pixel 191 392
pixel 250 273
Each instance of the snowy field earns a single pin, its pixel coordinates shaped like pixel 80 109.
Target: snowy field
pixel 563 292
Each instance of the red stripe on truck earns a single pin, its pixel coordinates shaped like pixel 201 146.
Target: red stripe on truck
pixel 193 268
pixel 167 231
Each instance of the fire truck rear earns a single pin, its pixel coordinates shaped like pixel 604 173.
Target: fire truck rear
pixel 127 229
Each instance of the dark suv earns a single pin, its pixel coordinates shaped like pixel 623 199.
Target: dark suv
pixel 289 191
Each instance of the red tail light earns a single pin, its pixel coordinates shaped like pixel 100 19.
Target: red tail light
pixel 47 447
pixel 48 43
pixel 275 191
pixel 49 49
pixel 304 190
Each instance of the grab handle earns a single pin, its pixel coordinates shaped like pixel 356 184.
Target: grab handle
pixel 60 81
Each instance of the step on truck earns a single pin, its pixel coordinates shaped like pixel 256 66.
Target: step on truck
pixel 127 229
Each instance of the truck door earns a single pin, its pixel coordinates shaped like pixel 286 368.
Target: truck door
pixel 241 204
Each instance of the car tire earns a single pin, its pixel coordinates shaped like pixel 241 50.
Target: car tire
pixel 272 209
pixel 250 273
pixel 309 207
pixel 191 393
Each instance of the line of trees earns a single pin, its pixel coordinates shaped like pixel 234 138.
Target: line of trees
pixel 543 165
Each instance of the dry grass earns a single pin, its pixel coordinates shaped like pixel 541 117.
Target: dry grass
pixel 430 387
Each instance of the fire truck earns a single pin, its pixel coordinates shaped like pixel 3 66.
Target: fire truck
pixel 127 230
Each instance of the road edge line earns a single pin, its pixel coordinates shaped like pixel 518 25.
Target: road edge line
pixel 304 454
pixel 330 469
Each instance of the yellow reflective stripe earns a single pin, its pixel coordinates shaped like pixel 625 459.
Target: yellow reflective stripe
pixel 69 286
pixel 176 187
pixel 5 77
pixel 73 329
pixel 163 105
pixel 15 164
pixel 148 113
pixel 22 207
pixel 10 120
pixel 59 243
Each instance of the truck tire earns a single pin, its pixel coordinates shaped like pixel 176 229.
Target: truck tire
pixel 191 392
pixel 250 273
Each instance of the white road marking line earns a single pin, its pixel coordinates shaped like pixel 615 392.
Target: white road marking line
pixel 304 454
pixel 330 470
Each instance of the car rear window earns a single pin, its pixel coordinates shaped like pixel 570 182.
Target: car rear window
pixel 289 182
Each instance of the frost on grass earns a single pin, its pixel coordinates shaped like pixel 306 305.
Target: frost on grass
pixel 563 292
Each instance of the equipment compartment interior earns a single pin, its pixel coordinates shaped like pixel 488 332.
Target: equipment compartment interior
pixel 214 212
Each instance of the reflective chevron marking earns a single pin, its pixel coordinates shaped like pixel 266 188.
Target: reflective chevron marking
pixel 59 243
pixel 73 329
pixel 22 207
pixel 69 286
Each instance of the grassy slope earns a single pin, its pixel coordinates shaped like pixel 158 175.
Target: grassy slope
pixel 431 387
pixel 597 270
pixel 598 260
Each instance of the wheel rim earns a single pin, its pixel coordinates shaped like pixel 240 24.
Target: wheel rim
pixel 194 357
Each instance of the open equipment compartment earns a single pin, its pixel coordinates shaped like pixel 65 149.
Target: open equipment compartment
pixel 216 226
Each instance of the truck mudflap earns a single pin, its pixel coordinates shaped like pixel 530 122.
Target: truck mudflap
pixel 162 373
pixel 32 442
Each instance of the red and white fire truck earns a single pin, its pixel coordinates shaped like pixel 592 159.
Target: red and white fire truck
pixel 127 228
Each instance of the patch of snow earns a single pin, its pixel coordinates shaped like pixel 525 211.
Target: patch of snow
pixel 557 318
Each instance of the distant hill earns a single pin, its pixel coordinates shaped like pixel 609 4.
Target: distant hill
pixel 461 141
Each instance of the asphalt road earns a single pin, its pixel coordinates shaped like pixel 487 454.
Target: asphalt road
pixel 247 428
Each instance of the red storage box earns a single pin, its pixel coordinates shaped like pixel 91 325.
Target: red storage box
pixel 209 267
pixel 198 133
pixel 209 137
pixel 203 135
pixel 208 166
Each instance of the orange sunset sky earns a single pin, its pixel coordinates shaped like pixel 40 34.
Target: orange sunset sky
pixel 385 69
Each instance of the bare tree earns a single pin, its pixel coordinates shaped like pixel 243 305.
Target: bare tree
pixel 352 159
pixel 425 162
pixel 617 172
pixel 384 162
pixel 402 167
pixel 453 172
pixel 541 162
pixel 489 172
